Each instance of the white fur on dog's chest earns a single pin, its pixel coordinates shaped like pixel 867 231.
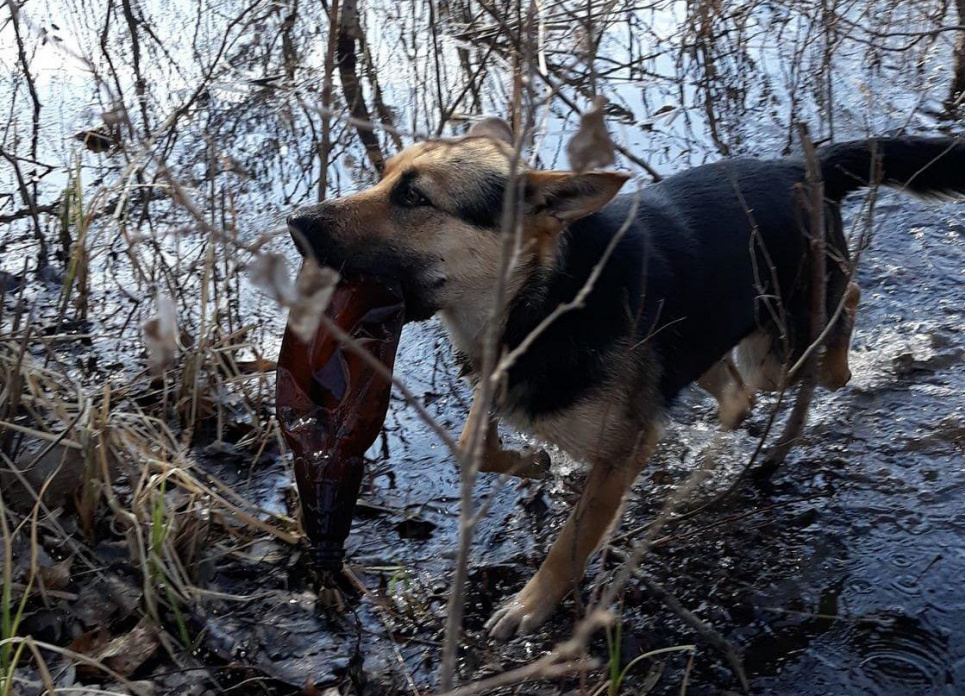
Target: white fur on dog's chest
pixel 582 430
pixel 464 333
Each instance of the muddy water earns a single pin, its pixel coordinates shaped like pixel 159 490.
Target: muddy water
pixel 842 575
pixel 875 564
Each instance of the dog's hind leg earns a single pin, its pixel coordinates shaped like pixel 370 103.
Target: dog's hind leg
pixel 598 509
pixel 758 364
pixel 734 399
pixel 844 294
pixel 834 371
pixel 496 459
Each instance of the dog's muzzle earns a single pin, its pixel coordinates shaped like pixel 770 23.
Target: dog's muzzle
pixel 308 226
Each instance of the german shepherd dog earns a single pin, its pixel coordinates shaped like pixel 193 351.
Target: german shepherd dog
pixel 709 263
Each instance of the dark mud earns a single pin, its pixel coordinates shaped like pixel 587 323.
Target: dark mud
pixel 842 575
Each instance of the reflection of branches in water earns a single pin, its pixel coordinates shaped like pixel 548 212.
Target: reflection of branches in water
pixel 28 193
pixel 349 30
pixel 264 91
pixel 325 146
pixel 32 210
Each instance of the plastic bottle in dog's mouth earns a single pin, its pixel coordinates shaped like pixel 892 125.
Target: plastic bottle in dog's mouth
pixel 331 405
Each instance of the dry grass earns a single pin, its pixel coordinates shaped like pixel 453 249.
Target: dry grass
pixel 117 459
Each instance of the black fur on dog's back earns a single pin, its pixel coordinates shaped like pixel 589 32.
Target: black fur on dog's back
pixel 701 262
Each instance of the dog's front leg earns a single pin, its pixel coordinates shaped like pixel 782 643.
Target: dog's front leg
pixel 495 459
pixel 598 508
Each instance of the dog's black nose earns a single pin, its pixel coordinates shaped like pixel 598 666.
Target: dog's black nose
pixel 299 222
pixel 299 227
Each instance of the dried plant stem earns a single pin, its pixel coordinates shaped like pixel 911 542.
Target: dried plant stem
pixel 956 92
pixel 817 255
pixel 702 628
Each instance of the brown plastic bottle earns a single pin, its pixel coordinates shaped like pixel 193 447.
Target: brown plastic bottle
pixel 331 406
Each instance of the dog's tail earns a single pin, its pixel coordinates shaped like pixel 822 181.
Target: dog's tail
pixel 926 167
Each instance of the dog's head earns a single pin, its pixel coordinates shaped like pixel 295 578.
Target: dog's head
pixel 434 221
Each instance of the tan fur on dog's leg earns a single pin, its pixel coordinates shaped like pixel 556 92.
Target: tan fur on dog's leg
pixel 597 510
pixel 496 459
pixel 757 364
pixel 835 372
pixel 734 399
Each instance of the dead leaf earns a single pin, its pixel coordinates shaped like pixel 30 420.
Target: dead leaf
pixel 98 139
pixel 256 366
pixel 106 600
pixel 311 690
pixel 57 576
pixel 591 147
pixel 55 470
pixel 269 272
pixel 314 287
pixel 161 335
pixel 91 642
pixel 662 478
pixel 126 653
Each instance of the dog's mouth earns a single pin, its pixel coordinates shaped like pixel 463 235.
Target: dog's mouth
pixel 414 294
pixel 395 267
pixel 418 306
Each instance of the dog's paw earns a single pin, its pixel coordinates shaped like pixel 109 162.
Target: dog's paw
pixel 734 407
pixel 530 463
pixel 518 617
pixel 525 612
pixel 534 464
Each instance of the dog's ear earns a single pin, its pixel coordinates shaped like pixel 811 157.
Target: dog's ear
pixel 492 127
pixel 558 198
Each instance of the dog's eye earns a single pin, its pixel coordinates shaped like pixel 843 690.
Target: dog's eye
pixel 412 198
